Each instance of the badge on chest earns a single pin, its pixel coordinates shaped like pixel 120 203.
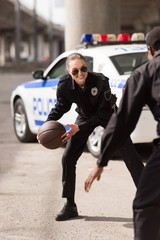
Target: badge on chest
pixel 94 91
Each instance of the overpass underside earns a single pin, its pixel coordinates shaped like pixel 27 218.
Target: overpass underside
pixel 26 37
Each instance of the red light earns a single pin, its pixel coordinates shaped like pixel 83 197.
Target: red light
pixel 123 37
pixel 104 38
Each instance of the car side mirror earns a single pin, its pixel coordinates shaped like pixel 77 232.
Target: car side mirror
pixel 38 74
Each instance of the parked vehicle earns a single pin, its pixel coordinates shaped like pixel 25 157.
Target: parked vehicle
pixel 31 101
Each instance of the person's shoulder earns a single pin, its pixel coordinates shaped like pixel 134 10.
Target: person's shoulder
pixel 148 68
pixel 141 67
pixel 64 79
pixel 141 74
pixel 97 75
pixel 140 70
pixel 155 62
pixel 63 83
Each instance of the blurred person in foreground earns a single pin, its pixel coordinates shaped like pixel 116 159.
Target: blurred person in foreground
pixel 143 87
pixel 91 93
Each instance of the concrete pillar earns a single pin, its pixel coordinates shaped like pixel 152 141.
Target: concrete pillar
pixel 31 48
pixel 40 47
pixel 56 50
pixel 91 16
pixel 2 50
pixel 17 30
pixel 46 51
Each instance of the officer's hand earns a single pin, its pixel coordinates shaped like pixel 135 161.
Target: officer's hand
pixel 73 130
pixel 95 174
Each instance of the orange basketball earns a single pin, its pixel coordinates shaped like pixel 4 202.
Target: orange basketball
pixel 50 134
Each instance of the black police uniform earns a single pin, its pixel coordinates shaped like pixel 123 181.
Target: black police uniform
pixel 143 87
pixel 95 107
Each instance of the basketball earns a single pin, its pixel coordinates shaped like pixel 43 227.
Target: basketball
pixel 50 133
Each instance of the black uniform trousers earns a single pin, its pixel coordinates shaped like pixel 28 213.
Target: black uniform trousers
pixel 146 205
pixel 75 147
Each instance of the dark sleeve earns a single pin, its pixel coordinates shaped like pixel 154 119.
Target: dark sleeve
pixel 106 102
pixel 124 121
pixel 62 106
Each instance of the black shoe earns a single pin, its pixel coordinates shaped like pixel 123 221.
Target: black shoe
pixel 67 212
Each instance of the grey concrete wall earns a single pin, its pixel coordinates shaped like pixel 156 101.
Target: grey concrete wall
pixel 90 16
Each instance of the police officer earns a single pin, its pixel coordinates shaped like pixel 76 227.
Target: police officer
pixel 92 94
pixel 143 87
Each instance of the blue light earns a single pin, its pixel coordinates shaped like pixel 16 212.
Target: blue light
pixel 87 38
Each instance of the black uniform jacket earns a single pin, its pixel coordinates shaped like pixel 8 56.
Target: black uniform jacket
pixel 143 87
pixel 94 102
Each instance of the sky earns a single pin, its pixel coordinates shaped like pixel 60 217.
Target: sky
pixel 49 9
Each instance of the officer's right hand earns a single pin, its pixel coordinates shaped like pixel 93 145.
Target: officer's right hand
pixel 72 131
pixel 95 174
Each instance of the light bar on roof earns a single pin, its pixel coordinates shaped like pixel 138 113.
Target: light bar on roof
pixel 137 37
pixel 87 38
pixel 111 38
pixel 100 37
pixel 104 37
pixel 123 37
pixel 96 37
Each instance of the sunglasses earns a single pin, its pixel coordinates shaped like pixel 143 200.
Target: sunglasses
pixel 76 71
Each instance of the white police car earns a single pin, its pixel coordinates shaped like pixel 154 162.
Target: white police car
pixel 31 101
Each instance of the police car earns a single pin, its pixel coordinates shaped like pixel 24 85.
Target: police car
pixel 31 101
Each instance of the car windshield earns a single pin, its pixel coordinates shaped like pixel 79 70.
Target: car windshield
pixel 126 63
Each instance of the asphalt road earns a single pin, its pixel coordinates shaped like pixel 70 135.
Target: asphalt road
pixel 30 188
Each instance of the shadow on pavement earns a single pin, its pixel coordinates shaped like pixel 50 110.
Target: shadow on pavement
pixel 107 219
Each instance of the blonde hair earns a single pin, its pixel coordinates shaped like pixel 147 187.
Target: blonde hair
pixel 74 56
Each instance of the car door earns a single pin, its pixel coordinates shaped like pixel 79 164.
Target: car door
pixel 42 95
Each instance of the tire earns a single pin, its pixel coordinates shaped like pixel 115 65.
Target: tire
pixel 21 126
pixel 94 141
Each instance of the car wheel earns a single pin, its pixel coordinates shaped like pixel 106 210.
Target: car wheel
pixel 21 126
pixel 94 141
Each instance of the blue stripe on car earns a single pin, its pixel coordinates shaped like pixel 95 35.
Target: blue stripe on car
pixel 39 123
pixel 41 84
pixel 117 83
